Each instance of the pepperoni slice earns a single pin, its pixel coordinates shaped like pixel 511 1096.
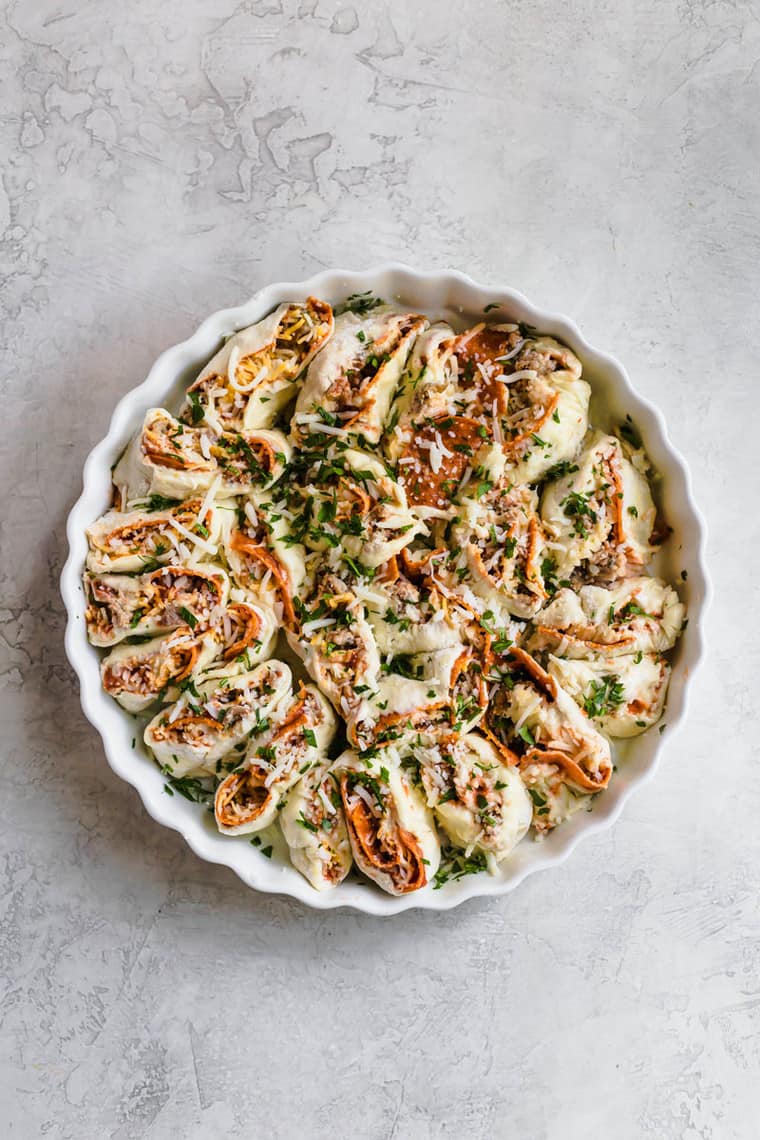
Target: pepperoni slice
pixel 480 348
pixel 459 437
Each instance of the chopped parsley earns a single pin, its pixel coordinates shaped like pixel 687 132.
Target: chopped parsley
pixel 501 643
pixel 393 619
pixel 359 303
pixel 576 506
pixel 455 865
pixel 325 416
pixel 190 787
pixel 633 609
pixel 188 616
pixel 538 799
pixel 196 408
pixel 629 433
pixel 369 782
pixel 604 696
pixel 549 574
pixel 358 569
pixel 403 666
pixel 161 503
pixel 559 470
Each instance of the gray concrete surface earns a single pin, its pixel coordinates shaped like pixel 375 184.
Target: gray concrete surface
pixel 160 161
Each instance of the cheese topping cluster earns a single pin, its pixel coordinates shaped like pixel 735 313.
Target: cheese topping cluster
pixel 424 525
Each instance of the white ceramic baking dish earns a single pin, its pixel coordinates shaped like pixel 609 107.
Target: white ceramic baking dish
pixel 461 301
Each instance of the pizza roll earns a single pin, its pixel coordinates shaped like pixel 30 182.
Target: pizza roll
pixel 253 376
pixel 120 542
pixel 359 508
pixel 554 798
pixel 137 675
pixel 599 516
pixel 244 635
pixel 444 570
pixel 410 616
pixel 263 559
pixel 624 695
pixel 349 387
pixel 450 405
pixel 534 717
pixel 501 545
pixel 448 435
pixel 438 694
pixel 248 798
pixel 338 649
pixel 391 829
pixel 517 405
pixel 638 615
pixel 547 413
pixel 314 826
pixel 169 459
pixel 119 606
pixel 478 798
pixel 210 720
pixel 427 388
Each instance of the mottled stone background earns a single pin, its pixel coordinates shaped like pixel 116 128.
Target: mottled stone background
pixel 162 160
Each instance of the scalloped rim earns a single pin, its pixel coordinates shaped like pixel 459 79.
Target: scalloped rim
pixel 462 292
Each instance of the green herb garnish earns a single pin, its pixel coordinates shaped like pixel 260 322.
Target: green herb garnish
pixel 196 408
pixel 604 696
pixel 188 616
pixel 359 303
